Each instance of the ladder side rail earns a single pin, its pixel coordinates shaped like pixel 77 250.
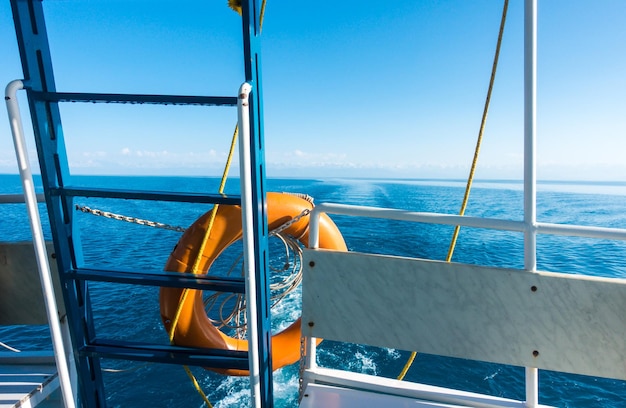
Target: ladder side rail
pixel 45 274
pixel 261 384
pixel 262 388
pixel 36 60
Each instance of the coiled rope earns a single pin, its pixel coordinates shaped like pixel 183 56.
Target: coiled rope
pixel 470 179
pixel 290 277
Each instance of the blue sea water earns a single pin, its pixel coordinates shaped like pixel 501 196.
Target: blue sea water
pixel 132 313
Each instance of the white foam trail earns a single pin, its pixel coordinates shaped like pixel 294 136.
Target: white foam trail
pixel 363 364
pixel 393 353
pixel 236 391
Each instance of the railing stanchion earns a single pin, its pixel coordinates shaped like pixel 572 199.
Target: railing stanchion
pixel 45 275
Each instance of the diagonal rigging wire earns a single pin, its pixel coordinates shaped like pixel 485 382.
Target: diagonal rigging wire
pixel 470 179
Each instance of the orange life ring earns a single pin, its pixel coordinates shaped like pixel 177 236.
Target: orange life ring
pixel 194 329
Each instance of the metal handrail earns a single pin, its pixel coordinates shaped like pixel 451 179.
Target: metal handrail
pixel 38 241
pixel 248 241
pixel 529 226
pixel 450 219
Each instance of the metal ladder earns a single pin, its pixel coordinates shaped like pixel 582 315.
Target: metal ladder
pixel 89 348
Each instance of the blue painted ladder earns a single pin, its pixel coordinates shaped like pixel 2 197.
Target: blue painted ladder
pixel 44 102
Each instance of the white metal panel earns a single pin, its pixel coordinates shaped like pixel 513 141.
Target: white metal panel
pixel 21 298
pixel 26 381
pixel 326 396
pixel 550 321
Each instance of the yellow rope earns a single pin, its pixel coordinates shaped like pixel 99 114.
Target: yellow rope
pixel 480 134
pixel 197 261
pixel 406 367
pixel 470 179
pixel 236 5
pixel 220 190
pixel 197 386
pixel 205 238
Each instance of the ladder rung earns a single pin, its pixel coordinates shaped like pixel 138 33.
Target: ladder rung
pixel 147 195
pixel 19 198
pixel 135 98
pixel 214 358
pixel 158 278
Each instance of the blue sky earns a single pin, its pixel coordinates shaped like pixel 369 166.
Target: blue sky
pixel 366 89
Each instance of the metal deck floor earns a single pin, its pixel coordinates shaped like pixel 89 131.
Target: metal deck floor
pixel 28 385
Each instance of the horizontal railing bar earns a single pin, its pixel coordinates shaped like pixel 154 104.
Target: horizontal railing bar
pixel 135 98
pixel 475 222
pixel 18 198
pixel 147 195
pixel 158 278
pixel 581 231
pixel 430 218
pixel 408 389
pixel 213 358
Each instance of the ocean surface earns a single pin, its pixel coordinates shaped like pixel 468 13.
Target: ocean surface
pixel 132 313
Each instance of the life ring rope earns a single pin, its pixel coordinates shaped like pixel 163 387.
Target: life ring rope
pixel 233 316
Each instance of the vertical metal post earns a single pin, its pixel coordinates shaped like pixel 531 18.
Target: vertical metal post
pixel 314 242
pixel 248 239
pixel 45 274
pixel 263 392
pixel 530 176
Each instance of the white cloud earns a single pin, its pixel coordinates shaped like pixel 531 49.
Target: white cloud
pixel 129 161
pixel 301 158
pixel 99 154
pixel 303 163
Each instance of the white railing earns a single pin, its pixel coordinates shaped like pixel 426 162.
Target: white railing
pixel 248 240
pixel 530 167
pixel 450 219
pixel 529 226
pixel 530 230
pixel 38 241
